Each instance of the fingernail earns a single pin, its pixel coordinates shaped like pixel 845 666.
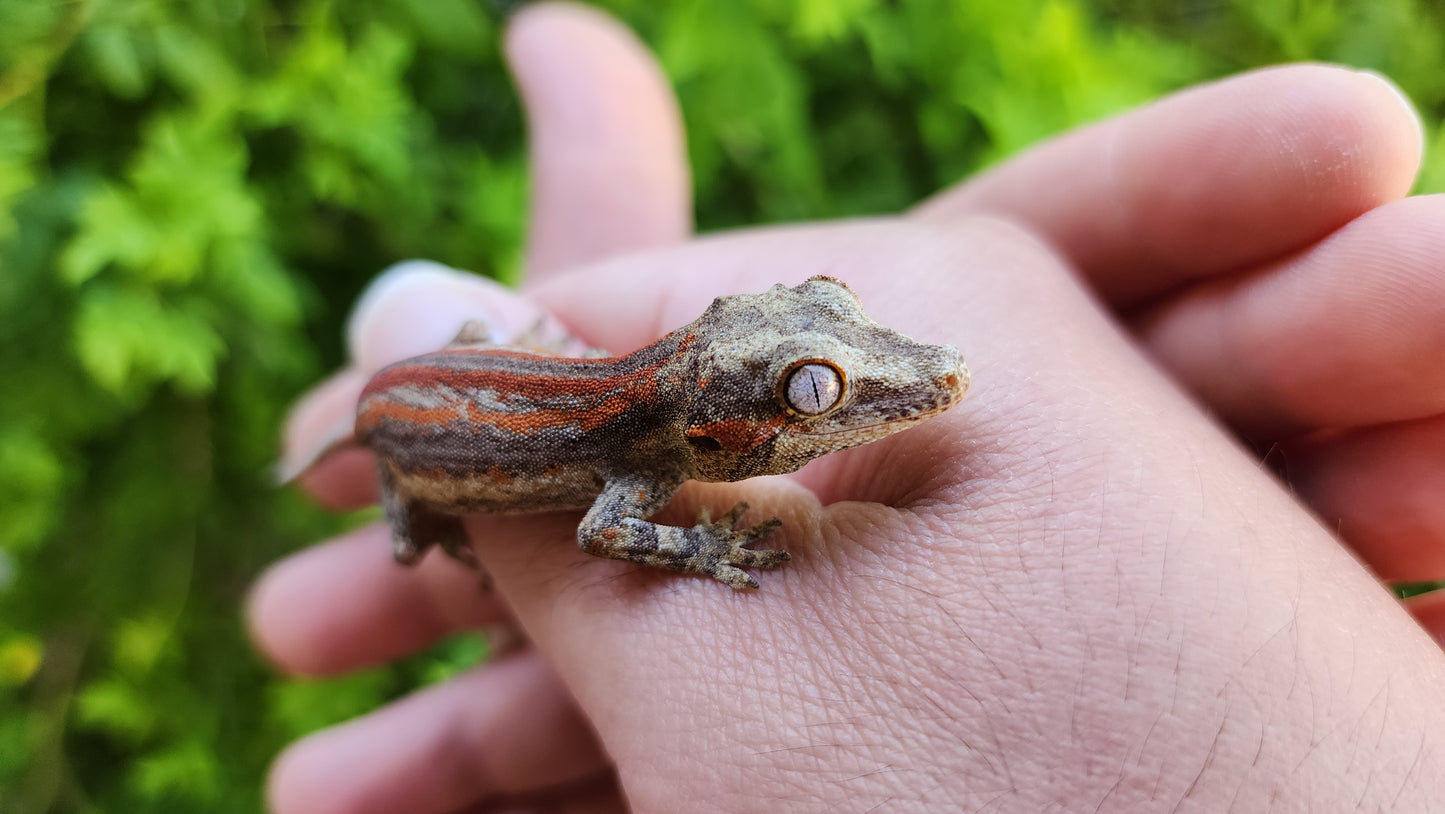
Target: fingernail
pixel 418 306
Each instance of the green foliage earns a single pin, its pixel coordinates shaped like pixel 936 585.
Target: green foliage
pixel 192 193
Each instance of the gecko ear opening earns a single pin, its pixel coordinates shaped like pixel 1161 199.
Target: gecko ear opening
pixel 706 443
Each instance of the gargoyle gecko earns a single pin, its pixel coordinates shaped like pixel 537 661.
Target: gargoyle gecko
pixel 760 384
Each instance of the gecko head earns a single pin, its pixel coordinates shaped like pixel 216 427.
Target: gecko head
pixel 794 373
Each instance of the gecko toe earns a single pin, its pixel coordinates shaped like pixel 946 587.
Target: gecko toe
pixel 734 577
pixel 762 529
pixel 461 551
pixel 760 558
pixel 405 552
pixel 734 514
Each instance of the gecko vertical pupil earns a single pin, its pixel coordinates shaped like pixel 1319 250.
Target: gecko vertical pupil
pixel 813 388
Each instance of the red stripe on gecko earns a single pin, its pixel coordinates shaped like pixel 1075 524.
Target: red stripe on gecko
pixel 599 401
pixel 590 418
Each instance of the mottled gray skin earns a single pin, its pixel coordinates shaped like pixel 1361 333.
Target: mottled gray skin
pixel 481 428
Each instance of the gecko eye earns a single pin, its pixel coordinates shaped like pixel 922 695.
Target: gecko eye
pixel 813 388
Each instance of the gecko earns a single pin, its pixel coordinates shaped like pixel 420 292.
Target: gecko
pixel 760 384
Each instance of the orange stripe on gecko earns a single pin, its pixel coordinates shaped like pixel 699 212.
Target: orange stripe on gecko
pixel 590 417
pixel 375 411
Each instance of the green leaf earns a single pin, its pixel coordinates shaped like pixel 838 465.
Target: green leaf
pixel 120 57
pixel 140 643
pixel 128 340
pixel 303 706
pixel 197 64
pixel 455 656
pixel 189 771
pixel 31 478
pixel 27 24
pixel 185 194
pixel 456 26
pixel 19 151
pixel 248 277
pixel 113 229
pixel 20 657
pixel 115 707
pixel 15 739
pixel 816 22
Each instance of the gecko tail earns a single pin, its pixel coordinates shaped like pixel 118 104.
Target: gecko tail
pixel 337 438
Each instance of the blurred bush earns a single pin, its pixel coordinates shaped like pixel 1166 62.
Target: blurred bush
pixel 192 193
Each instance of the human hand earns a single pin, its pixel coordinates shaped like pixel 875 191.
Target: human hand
pixel 1254 236
pixel 1068 589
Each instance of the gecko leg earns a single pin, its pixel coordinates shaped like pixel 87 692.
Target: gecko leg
pixel 615 528
pixel 416 527
pixel 473 332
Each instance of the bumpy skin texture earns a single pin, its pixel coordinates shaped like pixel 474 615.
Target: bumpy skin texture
pixel 760 384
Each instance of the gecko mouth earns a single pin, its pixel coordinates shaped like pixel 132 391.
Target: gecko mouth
pixel 898 422
pixel 893 423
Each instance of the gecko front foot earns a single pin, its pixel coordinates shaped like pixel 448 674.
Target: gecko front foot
pixel 722 553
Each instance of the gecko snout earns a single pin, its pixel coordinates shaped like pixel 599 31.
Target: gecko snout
pixel 952 383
